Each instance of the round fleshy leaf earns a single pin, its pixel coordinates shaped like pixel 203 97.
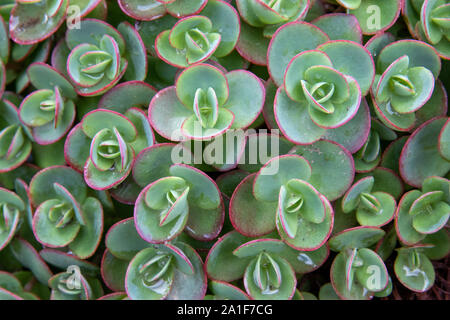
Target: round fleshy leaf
pixel 255 247
pixel 358 237
pixel 76 148
pixel 154 162
pixel 127 95
pixel 224 290
pixel 419 53
pixel 143 10
pixel 43 76
pixel 187 286
pixel 30 258
pixel 252 45
pixel 114 271
pixel 221 263
pixel 441 245
pixel 203 77
pixel 278 171
pixel 340 26
pixel 150 222
pixel 248 215
pixel 63 260
pixel 103 180
pixel 392 119
pixel 167 114
pixel 246 97
pixel 100 119
pixel 295 71
pixel 352 197
pixel 328 160
pixel 193 130
pixel 420 157
pixel 42 184
pixel 91 31
pixel 135 54
pixel 124 250
pixel 31 22
pixel 354 133
pixel 364 274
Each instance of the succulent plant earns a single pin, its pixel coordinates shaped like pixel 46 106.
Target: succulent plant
pixel 224 150
pixel 109 154
pixel 353 268
pixel 423 212
pixel 65 215
pixel 206 103
pixel 372 208
pixel 195 39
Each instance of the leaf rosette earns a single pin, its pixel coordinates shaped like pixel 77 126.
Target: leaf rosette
pixel 50 111
pixel 96 56
pixel 414 269
pixel 406 74
pixel 282 185
pixel 146 271
pixel 74 286
pixel 357 272
pixel 332 98
pixel 319 86
pixel 205 103
pixel 424 212
pixel 197 38
pixel 169 271
pixel 104 145
pixel 374 209
pixel 186 198
pixel 65 216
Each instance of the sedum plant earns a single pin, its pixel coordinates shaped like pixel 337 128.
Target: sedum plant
pixel 196 38
pixel 65 215
pixel 224 150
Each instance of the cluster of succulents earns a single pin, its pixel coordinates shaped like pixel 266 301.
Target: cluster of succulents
pixel 105 107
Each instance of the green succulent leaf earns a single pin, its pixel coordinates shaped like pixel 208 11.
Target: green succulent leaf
pixel 414 270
